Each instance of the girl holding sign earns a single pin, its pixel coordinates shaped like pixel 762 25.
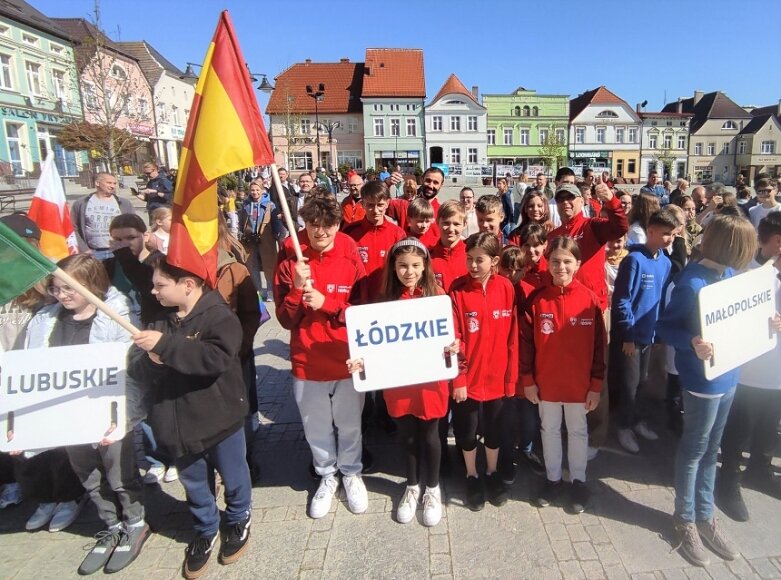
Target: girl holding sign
pixel 729 242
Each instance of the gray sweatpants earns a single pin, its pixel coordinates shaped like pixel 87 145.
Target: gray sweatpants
pixel 331 415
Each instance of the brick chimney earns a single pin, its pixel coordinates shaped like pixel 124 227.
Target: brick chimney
pixel 308 61
pixel 476 92
pixel 697 96
pixel 679 105
pixel 344 60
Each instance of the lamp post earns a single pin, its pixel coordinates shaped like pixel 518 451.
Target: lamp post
pixel 317 95
pixel 264 86
pixel 330 128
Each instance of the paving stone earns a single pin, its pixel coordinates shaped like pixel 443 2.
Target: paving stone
pixel 674 574
pixel 584 551
pixel 325 523
pixel 277 514
pixel 593 570
pixel 764 568
pixel 441 564
pixel 563 550
pixel 577 533
pixel 313 559
pixel 439 544
pixel 615 572
pixel 597 534
pixel 557 531
pixel 694 573
pixel 571 570
pixel 720 571
pixel 644 576
pixel 310 575
pixel 741 568
pixel 607 554
pixel 318 541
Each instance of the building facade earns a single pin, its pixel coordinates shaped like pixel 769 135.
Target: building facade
pixel 758 145
pixel 664 143
pixel 604 134
pixel 521 123
pixel 456 131
pixel 714 129
pixel 303 122
pixel 39 92
pixel 393 99
pixel 172 96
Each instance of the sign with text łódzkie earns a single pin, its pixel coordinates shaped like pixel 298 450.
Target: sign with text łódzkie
pixel 735 316
pixel 402 342
pixel 66 395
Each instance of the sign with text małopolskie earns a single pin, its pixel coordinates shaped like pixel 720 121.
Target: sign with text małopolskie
pixel 736 315
pixel 402 342
pixel 66 395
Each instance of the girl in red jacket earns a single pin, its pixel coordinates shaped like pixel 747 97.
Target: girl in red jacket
pixel 562 328
pixel 484 316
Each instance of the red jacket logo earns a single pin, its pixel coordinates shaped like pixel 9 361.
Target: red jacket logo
pixel 546 326
pixel 573 320
pixel 363 251
pixel 331 288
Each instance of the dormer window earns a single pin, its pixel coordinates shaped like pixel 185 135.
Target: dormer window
pixel 607 114
pixel 729 125
pixel 118 72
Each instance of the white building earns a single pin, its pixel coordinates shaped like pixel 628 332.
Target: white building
pixel 664 143
pixel 456 131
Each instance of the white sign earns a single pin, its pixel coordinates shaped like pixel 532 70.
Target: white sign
pixel 402 342
pixel 66 395
pixel 735 316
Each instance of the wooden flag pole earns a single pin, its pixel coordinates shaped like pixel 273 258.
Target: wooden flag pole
pixel 291 226
pixel 94 300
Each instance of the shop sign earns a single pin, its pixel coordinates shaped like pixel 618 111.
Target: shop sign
pixel 36 116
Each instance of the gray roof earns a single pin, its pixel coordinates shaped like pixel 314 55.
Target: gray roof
pixel 715 105
pixel 21 11
pixel 153 64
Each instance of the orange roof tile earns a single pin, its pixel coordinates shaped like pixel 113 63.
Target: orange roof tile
pixel 453 85
pixel 343 81
pixel 394 72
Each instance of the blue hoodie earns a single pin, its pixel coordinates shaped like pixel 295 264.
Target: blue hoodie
pixel 638 290
pixel 679 323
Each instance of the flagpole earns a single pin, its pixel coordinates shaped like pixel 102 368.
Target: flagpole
pixel 94 300
pixel 291 226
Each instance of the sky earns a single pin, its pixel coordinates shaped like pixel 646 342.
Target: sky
pixel 640 50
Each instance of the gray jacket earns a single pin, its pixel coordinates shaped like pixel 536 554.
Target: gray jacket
pixel 79 211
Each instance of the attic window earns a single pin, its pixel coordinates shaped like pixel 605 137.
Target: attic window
pixel 604 114
pixel 729 125
pixel 118 72
pixel 453 103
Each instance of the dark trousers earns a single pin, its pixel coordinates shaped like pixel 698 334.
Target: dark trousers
pixel 47 477
pixel 467 418
pixel 753 425
pixel 628 372
pixel 196 472
pixel 420 443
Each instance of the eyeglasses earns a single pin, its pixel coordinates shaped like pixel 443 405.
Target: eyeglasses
pixel 65 290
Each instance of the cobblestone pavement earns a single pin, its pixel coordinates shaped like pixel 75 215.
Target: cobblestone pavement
pixel 624 534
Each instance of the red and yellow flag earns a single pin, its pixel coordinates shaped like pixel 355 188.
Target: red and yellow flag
pixel 49 211
pixel 225 133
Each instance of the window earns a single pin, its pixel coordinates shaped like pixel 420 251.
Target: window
pixel 508 136
pixel 436 123
pixel 301 160
pixel 652 141
pixel 14 140
pixel 681 141
pixel 711 148
pixel 767 147
pixel 729 125
pixel 118 72
pixel 412 128
pixel 6 80
pixel 524 135
pixel 619 134
pixel 698 148
pixel 543 136
pixel 526 111
pixel 352 126
pixel 630 166
pixel 455 123
pixel 377 107
pixel 669 123
pixel 412 107
pixel 395 127
pixel 619 167
pixel 580 134
pixel 4 30
pixel 90 97
pixel 741 147
pixel 306 126
pixel 725 149
pixel 30 39
pixel 56 48
pixel 607 115
pixel 58 80
pixel 379 127
pixel 455 155
pixel 561 136
pixel 668 141
pixel 33 71
pixel 162 114
pixel 535 112
pixel 471 123
pixel 126 105
pixel 394 107
pixel 471 155
pixel 491 136
pixel 175 116
pixel 516 112
pixel 632 138
pixel 352 158
pixel 143 108
pixel 600 134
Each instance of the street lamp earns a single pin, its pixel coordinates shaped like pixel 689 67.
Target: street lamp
pixel 330 128
pixel 317 95
pixel 264 86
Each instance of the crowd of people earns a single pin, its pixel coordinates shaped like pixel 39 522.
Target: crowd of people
pixel 560 293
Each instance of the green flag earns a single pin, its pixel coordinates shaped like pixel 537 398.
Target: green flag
pixel 21 265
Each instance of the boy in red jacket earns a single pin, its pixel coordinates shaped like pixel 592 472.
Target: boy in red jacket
pixel 311 297
pixel 448 255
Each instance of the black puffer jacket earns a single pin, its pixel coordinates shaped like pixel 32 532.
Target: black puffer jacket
pixel 198 393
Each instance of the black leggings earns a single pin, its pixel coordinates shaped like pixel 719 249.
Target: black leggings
pixel 466 417
pixel 420 439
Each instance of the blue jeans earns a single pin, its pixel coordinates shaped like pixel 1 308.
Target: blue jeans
pixel 695 464
pixel 196 472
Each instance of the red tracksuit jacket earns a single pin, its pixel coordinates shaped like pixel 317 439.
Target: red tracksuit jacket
pixel 318 338
pixel 563 343
pixel 591 235
pixel 448 263
pixel 397 209
pixel 352 211
pixel 486 322
pixel 373 245
pixel 537 274
pixel 426 401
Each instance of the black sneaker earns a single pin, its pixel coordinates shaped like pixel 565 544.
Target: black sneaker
pixel 497 492
pixel 579 496
pixel 100 553
pixel 730 499
pixel 534 462
pixel 549 494
pixel 507 470
pixel 475 498
pixel 196 558
pixel 235 539
pixel 131 540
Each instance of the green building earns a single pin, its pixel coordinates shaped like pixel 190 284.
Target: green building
pixel 520 123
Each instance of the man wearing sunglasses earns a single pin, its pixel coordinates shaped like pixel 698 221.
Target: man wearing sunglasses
pixel 158 191
pixel 767 189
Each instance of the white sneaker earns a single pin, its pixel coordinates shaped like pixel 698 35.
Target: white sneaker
pixel 171 474
pixel 432 506
pixel 357 497
pixel 643 431
pixel 627 439
pixel 154 474
pixel 321 502
pixel 405 513
pixel 64 515
pixel 11 495
pixel 592 453
pixel 40 517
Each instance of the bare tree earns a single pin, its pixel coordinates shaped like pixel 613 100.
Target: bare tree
pixel 295 137
pixel 553 152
